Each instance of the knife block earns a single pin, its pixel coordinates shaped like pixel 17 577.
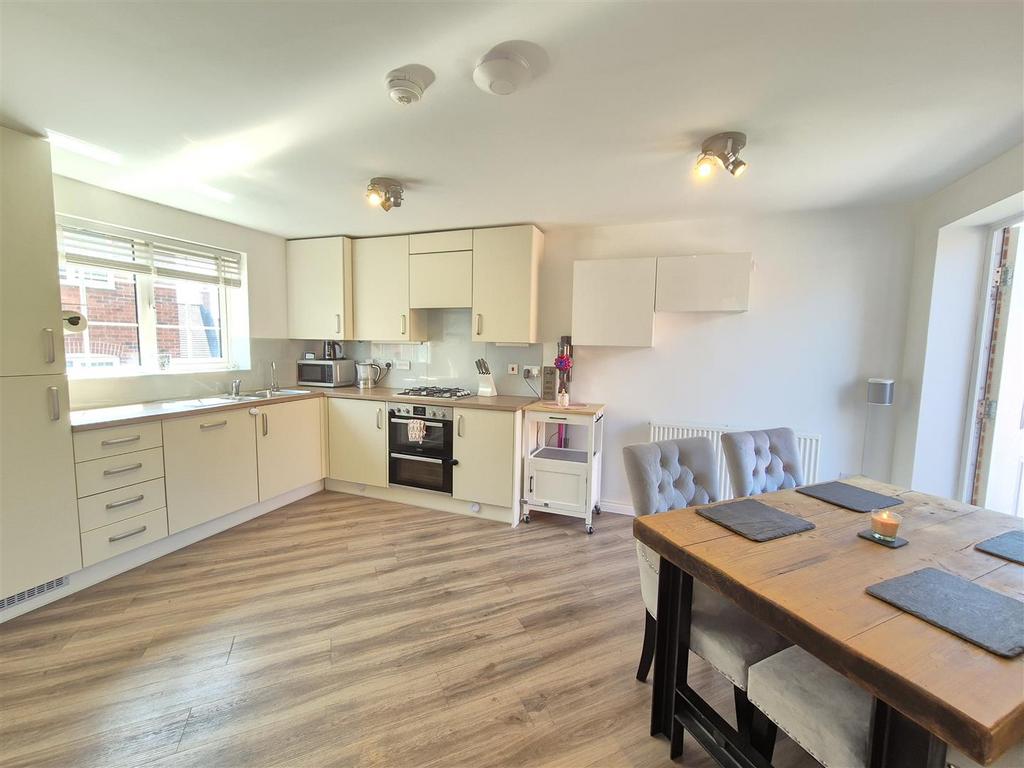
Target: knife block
pixel 486 386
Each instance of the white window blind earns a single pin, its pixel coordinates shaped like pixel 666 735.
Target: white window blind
pixel 110 247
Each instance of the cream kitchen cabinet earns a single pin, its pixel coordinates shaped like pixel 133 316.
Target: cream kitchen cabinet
pixel 288 447
pixel 210 465
pixel 380 288
pixel 39 536
pixel 440 242
pixel 613 302
pixel 485 448
pixel 438 280
pixel 31 338
pixel 319 277
pixel 358 439
pixel 505 266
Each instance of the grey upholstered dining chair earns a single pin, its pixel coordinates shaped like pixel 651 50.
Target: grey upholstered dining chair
pixel 762 461
pixel 679 473
pixel 828 715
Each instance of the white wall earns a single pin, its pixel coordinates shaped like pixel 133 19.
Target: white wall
pixel 827 310
pixel 916 464
pixel 265 265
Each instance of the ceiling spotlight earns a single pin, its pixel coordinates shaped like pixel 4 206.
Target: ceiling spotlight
pixel 384 193
pixel 722 149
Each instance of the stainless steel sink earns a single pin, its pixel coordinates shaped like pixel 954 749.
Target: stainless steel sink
pixel 266 394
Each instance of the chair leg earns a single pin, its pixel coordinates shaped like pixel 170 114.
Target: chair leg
pixel 744 712
pixel 647 654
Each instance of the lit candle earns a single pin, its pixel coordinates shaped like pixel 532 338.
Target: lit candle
pixel 885 524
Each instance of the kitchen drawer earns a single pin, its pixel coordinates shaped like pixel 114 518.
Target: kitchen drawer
pixel 101 475
pixel 114 506
pixel 435 242
pixel 97 443
pixel 103 543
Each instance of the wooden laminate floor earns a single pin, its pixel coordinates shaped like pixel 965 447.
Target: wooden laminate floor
pixel 343 631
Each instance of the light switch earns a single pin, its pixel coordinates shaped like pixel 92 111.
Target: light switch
pixel 513 369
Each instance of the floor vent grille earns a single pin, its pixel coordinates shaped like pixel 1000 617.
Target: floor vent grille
pixel 28 594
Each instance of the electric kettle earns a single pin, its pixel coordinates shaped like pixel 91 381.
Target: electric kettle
pixel 368 374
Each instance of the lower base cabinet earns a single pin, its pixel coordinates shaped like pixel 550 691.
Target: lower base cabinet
pixel 130 533
pixel 210 466
pixel 485 447
pixel 38 514
pixel 358 437
pixel 288 446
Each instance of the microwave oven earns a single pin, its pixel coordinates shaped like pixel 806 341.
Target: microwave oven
pixel 326 373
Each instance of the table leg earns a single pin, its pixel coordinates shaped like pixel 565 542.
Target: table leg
pixel 898 742
pixel 672 646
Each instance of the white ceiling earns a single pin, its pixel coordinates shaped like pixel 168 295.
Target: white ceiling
pixel 283 105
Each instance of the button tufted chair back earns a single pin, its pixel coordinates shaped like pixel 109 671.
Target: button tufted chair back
pixel 762 461
pixel 671 474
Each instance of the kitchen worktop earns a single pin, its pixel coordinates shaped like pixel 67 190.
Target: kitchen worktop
pixel 496 403
pixel 137 413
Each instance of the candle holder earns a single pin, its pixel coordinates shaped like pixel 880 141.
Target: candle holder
pixel 885 524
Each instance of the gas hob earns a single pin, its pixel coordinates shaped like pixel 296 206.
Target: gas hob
pixel 441 393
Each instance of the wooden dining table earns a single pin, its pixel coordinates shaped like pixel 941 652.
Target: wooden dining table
pixel 931 688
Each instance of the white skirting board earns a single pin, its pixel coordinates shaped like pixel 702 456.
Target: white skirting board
pixel 414 498
pixel 94 574
pixel 808 445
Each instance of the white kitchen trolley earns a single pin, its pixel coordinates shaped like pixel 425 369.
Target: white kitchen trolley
pixel 562 472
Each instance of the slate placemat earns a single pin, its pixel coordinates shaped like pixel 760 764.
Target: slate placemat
pixel 754 520
pixel 982 616
pixel 1009 546
pixel 849 496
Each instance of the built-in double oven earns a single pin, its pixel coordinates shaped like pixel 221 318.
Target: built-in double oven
pixel 420 457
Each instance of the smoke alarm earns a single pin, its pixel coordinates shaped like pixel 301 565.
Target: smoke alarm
pixel 501 71
pixel 404 87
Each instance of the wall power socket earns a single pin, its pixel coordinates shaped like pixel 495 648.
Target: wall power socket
pixel 531 371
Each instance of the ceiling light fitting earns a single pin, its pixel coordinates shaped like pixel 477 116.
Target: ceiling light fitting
pixel 384 193
pixel 501 71
pixel 722 149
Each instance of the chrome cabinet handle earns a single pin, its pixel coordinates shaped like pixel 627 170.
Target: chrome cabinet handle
pixel 120 440
pixel 126 502
pixel 461 422
pixel 531 483
pixel 479 324
pixel 54 403
pixel 380 412
pixel 51 348
pixel 557 418
pixel 424 459
pixel 404 325
pixel 266 425
pixel 126 534
pixel 337 323
pixel 122 470
pixel 214 424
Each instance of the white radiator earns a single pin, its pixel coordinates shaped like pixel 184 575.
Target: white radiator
pixel 808 445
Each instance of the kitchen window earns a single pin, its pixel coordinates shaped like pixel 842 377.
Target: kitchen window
pixel 153 304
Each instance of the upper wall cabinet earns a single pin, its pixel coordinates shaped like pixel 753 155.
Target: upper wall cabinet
pixel 613 302
pixel 380 287
pixel 505 265
pixel 704 283
pixel 31 334
pixel 439 242
pixel 443 279
pixel 319 288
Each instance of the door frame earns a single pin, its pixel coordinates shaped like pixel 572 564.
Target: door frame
pixel 982 350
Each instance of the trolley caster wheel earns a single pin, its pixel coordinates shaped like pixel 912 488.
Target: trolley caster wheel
pixel 597 510
pixel 590 529
pixel 526 518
